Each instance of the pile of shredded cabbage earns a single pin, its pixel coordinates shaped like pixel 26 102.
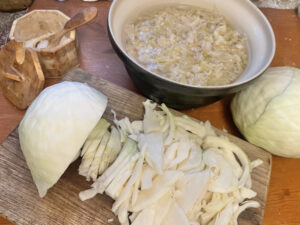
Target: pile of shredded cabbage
pixel 187 44
pixel 167 170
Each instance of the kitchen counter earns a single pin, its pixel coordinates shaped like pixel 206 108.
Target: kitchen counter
pixel 98 58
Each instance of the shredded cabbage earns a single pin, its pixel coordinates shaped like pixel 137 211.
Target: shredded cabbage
pixel 187 44
pixel 175 171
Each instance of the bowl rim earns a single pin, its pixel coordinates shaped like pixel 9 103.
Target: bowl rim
pixel 216 87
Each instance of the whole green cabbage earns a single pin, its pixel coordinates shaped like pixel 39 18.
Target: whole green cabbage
pixel 268 111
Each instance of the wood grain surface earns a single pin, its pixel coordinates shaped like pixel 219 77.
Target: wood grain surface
pixel 81 18
pixel 28 69
pixel 56 60
pixel 62 205
pixel 98 57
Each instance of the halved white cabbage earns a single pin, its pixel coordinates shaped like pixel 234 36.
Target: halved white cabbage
pixel 55 127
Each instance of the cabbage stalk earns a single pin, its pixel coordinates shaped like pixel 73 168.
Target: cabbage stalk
pixel 267 112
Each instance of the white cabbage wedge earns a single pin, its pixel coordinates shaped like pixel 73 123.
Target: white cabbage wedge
pixel 55 127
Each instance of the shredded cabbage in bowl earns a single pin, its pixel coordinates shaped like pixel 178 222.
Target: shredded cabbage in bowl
pixel 187 44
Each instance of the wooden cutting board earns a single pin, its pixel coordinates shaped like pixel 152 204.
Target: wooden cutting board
pixel 19 200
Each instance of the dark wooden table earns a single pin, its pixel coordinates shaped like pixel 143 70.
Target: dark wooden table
pixel 98 58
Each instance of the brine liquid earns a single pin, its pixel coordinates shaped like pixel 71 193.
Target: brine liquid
pixel 187 44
